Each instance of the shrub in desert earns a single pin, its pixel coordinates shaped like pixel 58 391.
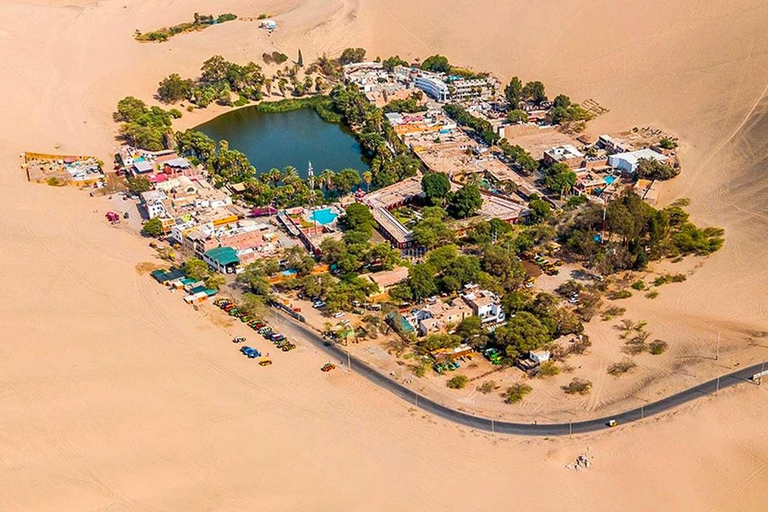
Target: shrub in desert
pixel 637 344
pixel 612 312
pixel 516 392
pixel 638 285
pixel 488 386
pixel 620 294
pixel 657 347
pixel 458 382
pixel 577 387
pixel 548 369
pixel 622 367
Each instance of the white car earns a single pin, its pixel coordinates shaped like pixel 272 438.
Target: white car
pixel 338 315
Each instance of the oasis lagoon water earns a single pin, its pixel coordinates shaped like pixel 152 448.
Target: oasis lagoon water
pixel 276 140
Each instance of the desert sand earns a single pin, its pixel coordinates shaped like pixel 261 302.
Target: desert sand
pixel 116 396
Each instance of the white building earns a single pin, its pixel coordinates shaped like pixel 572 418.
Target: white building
pixel 484 304
pixel 464 88
pixel 539 356
pixel 154 203
pixel 628 162
pixel 432 86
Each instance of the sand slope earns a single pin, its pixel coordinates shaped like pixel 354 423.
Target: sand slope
pixel 115 396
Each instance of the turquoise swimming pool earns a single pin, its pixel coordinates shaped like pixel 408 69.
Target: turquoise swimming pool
pixel 324 216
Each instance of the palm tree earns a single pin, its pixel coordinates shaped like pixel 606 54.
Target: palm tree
pixel 281 85
pixel 367 178
pixel 290 174
pixel 326 178
pixel 268 86
pixel 319 84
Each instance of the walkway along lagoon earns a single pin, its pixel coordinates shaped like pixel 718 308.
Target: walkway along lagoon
pixel 708 388
pixel 276 140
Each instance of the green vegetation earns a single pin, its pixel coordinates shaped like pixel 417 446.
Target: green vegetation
pixel 436 64
pixel 436 187
pixel 392 159
pixel 392 62
pixel 320 104
pixel 652 295
pixel 669 278
pixel 352 55
pixel 667 143
pixel 657 347
pixel 517 116
pixel 513 93
pixel 635 234
pixel 652 169
pixel 560 178
pixel 153 227
pixel 200 22
pixel 519 157
pixel 487 387
pixel 548 369
pixel 197 269
pixel 516 392
pixel 622 367
pixel 138 185
pixel 534 92
pixel 218 79
pixel 577 387
pixel 638 285
pixel 482 128
pixel 619 294
pixel 563 111
pixel 411 105
pixel 274 57
pixel 458 382
pixel 145 127
pixel 612 312
pixel 465 202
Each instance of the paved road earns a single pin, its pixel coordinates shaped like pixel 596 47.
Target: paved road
pixel 541 429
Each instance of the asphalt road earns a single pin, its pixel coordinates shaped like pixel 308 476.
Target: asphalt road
pixel 527 429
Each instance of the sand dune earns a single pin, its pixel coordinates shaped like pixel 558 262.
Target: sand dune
pixel 115 396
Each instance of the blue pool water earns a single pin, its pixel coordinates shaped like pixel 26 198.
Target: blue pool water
pixel 324 216
pixel 609 179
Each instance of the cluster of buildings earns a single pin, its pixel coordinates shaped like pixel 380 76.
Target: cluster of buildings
pixel 438 316
pixel 64 169
pixel 195 215
pixel 311 225
pixel 381 86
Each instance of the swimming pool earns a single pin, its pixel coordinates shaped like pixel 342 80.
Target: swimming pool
pixel 609 179
pixel 324 216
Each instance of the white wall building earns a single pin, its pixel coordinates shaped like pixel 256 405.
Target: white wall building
pixel 154 203
pixel 432 86
pixel 485 304
pixel 628 162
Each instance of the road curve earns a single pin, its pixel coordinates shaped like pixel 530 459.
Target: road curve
pixel 525 429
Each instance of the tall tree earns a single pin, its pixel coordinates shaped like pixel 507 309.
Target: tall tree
pixel 512 92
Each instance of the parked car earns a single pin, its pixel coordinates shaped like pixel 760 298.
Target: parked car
pixel 250 352
pixel 238 339
pixel 338 315
pixel 277 337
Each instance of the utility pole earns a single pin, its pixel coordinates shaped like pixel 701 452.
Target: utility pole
pixel 717 347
